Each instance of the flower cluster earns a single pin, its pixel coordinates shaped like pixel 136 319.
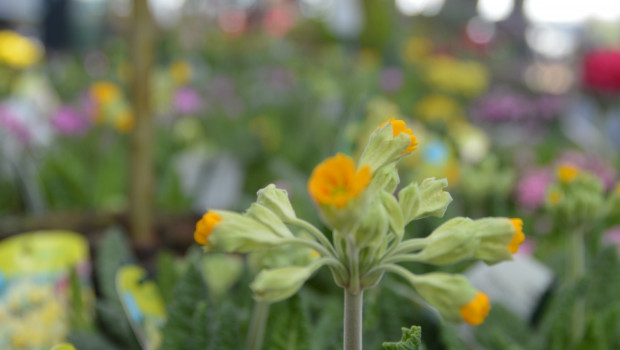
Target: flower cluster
pixel 357 203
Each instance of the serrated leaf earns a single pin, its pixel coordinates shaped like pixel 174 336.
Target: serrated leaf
pixel 410 340
pixel 113 252
pixel 290 326
pixel 225 331
pixel 115 322
pixel 90 341
pixel 189 292
pixel 167 275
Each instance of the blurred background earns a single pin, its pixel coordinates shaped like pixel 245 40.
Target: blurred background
pixel 140 115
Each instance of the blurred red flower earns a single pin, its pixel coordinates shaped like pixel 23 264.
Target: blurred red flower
pixel 601 70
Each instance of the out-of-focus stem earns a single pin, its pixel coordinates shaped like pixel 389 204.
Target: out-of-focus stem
pixel 256 332
pixel 575 274
pixel 141 178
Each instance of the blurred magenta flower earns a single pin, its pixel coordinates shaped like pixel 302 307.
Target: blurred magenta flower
pixel 532 188
pixel 69 121
pixel 601 70
pixel 187 100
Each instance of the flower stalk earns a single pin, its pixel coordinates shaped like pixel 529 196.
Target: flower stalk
pixel 353 307
pixel 256 332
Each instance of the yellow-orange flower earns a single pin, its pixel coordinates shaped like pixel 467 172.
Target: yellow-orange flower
pixel 205 226
pixel 567 173
pixel 181 72
pixel 554 196
pixel 518 237
pixel 125 121
pixel 618 189
pixel 399 126
pixel 104 92
pixel 336 181
pixel 476 310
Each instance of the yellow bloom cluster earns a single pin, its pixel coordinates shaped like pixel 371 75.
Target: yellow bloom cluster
pixel 17 51
pixel 448 74
pixel 439 107
pixel 108 102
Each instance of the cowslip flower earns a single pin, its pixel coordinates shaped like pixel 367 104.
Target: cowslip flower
pixel 205 226
pixel 357 202
pixel 476 310
pixel 399 127
pixel 336 181
pixel 518 237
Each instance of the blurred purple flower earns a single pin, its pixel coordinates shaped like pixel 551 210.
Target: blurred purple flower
pixel 595 165
pixel 391 79
pixel 187 100
pixel 67 120
pixel 532 188
pixel 279 79
pixel 221 88
pixel 549 107
pixel 10 122
pixel 502 106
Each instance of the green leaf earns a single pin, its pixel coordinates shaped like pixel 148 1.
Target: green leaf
pixel 289 326
pixel 114 321
pixel 410 340
pixel 113 253
pixel 189 292
pixel 224 328
pixel 167 275
pixel 90 341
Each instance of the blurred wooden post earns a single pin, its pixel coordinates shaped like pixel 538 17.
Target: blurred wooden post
pixel 141 177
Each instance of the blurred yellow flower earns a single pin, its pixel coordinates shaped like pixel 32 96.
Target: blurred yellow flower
pixel 125 121
pixel 103 92
pixel 438 107
pixel 468 78
pixel 567 173
pixel 476 310
pixel 18 51
pixel 415 49
pixel 181 72
pixel 554 196
pixel 336 181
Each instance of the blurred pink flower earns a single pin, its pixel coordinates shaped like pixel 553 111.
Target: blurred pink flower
pixel 187 100
pixel 532 188
pixel 67 120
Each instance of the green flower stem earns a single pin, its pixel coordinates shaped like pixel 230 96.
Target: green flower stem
pixel 575 274
pixel 315 232
pixel 353 306
pixel 399 270
pixel 408 246
pixel 256 332
pixel 400 258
